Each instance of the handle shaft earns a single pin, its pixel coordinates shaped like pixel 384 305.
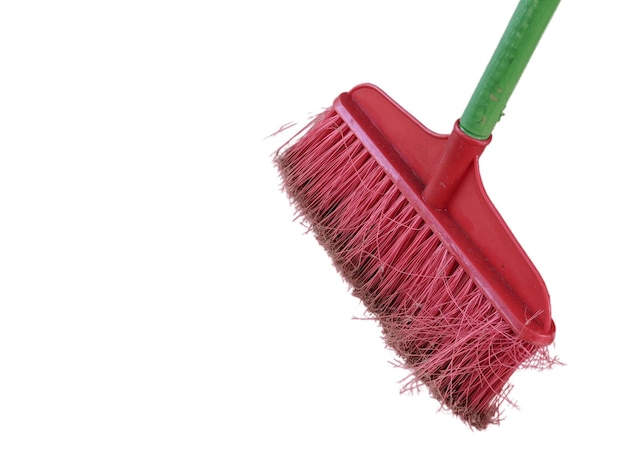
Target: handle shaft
pixel 506 66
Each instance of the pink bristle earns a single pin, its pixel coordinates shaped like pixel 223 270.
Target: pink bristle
pixel 432 314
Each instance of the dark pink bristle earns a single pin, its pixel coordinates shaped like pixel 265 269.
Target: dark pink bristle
pixel 432 314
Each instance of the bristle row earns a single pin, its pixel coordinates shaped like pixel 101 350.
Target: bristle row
pixel 442 327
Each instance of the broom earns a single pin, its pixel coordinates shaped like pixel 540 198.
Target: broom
pixel 404 216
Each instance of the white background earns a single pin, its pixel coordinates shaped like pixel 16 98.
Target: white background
pixel 159 308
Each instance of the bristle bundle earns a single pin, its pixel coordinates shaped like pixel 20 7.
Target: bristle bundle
pixel 432 314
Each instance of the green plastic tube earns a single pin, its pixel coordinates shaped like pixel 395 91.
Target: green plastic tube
pixel 506 66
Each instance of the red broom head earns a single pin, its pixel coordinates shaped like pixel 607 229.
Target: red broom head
pixel 442 326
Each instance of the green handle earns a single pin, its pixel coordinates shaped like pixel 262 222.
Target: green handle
pixel 506 66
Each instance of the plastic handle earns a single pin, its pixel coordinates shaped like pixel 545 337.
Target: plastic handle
pixel 506 66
